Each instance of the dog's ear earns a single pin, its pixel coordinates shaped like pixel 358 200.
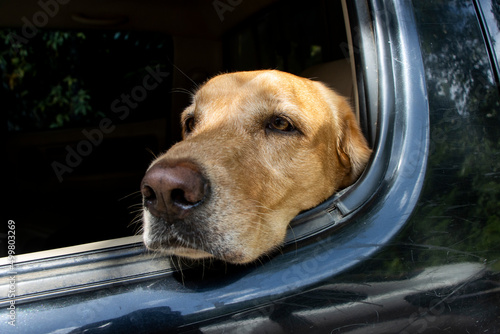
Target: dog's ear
pixel 352 148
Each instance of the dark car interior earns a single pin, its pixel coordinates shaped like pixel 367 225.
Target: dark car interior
pixel 92 92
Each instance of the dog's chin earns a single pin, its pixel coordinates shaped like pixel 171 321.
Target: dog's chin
pixel 175 248
pixel 190 253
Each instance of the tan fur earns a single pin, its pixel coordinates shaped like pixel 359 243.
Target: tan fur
pixel 261 179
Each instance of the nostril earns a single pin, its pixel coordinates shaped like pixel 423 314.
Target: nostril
pixel 149 195
pixel 180 199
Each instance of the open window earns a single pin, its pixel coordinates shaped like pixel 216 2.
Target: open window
pixel 84 112
pixel 88 109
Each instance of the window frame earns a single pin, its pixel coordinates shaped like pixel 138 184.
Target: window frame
pixel 488 29
pixel 378 65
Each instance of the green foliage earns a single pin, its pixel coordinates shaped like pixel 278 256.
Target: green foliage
pixel 67 79
pixel 62 97
pixel 39 82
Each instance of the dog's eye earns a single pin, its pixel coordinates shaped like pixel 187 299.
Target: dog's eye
pixel 189 124
pixel 282 124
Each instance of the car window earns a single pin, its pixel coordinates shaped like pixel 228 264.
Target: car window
pixel 464 104
pixel 87 111
pixel 84 110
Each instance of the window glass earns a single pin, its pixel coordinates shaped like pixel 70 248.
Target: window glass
pixel 464 148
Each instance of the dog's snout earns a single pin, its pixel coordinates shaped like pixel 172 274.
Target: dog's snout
pixel 173 192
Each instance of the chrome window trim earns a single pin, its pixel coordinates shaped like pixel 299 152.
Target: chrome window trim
pixel 401 122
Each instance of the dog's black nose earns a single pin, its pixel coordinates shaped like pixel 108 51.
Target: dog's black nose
pixel 173 191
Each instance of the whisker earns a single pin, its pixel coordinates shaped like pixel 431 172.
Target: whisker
pixel 135 193
pixel 179 265
pixel 178 69
pixel 137 210
pixel 137 221
pixel 139 231
pixel 182 90
pixel 152 153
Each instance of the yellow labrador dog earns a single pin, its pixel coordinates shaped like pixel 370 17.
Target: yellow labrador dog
pixel 258 147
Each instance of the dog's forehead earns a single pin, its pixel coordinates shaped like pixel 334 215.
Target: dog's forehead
pixel 237 91
pixel 233 87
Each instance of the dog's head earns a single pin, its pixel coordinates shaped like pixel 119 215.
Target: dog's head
pixel 258 147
